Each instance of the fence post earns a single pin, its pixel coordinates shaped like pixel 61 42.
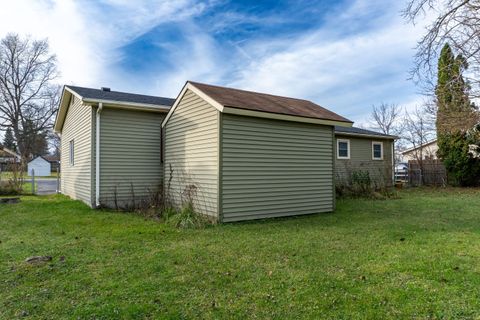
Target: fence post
pixel 58 180
pixel 33 181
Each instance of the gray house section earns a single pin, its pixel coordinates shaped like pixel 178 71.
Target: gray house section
pixel 76 131
pixel 248 164
pixel 273 168
pixel 361 156
pixel 130 167
pixel 191 155
pixel 110 143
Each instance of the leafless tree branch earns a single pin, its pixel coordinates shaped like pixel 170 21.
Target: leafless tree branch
pixel 28 98
pixel 457 22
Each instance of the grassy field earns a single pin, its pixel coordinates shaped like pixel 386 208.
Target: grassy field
pixel 414 257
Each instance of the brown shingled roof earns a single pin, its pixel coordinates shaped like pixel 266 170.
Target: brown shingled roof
pixel 241 99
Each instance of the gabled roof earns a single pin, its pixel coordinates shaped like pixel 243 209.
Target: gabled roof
pixel 101 95
pixel 38 157
pixel 235 101
pixel 354 131
pixel 109 98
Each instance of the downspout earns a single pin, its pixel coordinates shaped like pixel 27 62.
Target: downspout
pixel 393 162
pixel 97 155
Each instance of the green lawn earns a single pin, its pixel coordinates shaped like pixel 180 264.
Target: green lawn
pixel 414 257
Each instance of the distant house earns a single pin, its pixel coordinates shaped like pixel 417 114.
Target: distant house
pixel 426 151
pixel 364 150
pixel 39 166
pixel 7 157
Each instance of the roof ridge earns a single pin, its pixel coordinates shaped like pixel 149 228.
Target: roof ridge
pixel 113 91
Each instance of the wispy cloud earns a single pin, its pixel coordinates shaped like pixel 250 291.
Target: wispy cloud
pixel 86 35
pixel 345 55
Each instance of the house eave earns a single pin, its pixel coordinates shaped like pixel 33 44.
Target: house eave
pixel 361 135
pixel 68 93
pixel 128 105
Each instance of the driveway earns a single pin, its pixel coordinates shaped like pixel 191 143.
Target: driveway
pixel 46 186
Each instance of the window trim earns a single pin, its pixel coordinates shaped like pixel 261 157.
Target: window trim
pixel 71 152
pixel 380 143
pixel 348 149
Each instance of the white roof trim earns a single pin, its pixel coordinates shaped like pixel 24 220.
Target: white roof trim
pixel 136 105
pixel 201 94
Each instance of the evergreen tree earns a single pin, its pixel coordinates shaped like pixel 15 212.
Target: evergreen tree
pixel 9 140
pixel 456 116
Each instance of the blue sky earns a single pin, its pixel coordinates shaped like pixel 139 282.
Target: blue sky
pixel 344 55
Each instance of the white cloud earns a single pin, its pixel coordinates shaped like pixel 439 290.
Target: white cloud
pixel 345 73
pixel 357 57
pixel 85 35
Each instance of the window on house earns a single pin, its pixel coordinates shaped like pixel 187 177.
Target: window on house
pixel 343 149
pixel 377 150
pixel 72 153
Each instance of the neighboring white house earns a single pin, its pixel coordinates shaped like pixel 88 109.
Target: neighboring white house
pixel 426 151
pixel 42 167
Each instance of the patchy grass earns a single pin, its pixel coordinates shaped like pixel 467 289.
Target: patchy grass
pixel 8 175
pixel 414 257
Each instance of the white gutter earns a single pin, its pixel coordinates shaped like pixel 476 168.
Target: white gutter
pixel 129 105
pixel 97 155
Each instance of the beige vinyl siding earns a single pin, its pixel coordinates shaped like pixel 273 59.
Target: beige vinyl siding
pixel 361 159
pixel 273 168
pixel 76 179
pixel 129 156
pixel 191 151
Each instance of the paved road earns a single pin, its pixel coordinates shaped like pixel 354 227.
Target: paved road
pixel 46 186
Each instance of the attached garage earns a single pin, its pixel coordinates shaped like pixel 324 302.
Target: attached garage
pixel 241 155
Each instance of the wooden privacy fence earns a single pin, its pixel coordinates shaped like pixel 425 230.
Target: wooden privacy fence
pixel 427 172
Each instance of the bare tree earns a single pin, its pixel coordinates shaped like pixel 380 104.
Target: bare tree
pixel 386 118
pixel 457 22
pixel 28 98
pixel 419 128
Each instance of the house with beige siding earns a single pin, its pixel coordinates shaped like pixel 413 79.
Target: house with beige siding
pixel 425 151
pixel 249 155
pixel 98 128
pixel 235 154
pixel 358 149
